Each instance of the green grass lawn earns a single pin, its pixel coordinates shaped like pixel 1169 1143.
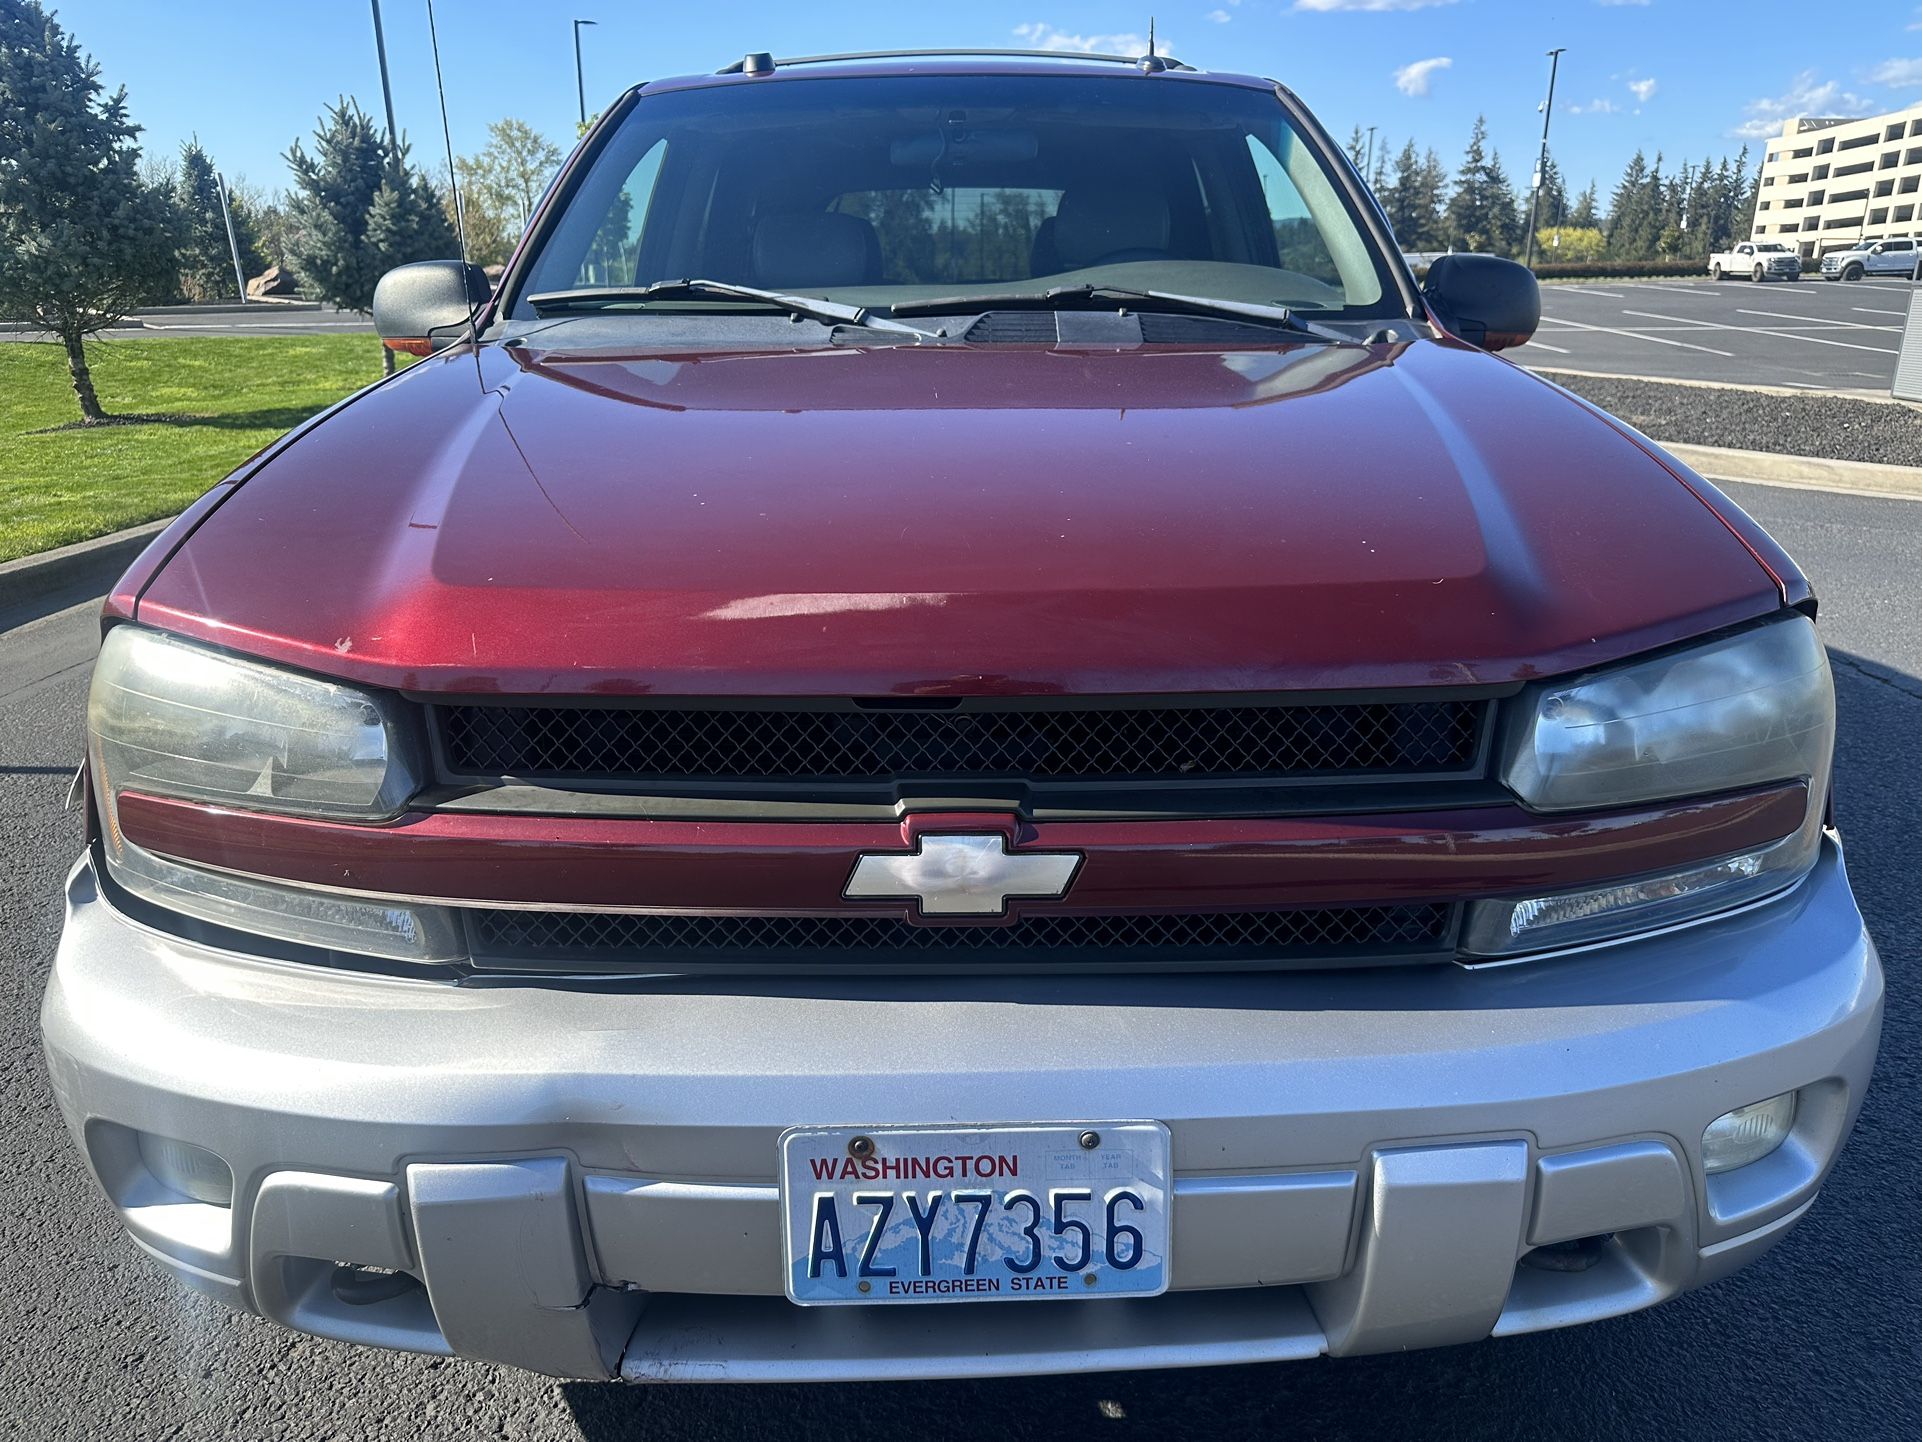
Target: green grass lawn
pixel 216 400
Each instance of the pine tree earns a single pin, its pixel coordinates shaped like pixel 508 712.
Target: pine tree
pixel 1552 208
pixel 1634 223
pixel 1505 218
pixel 1410 215
pixel 205 260
pixel 360 209
pixel 1481 213
pixel 1585 214
pixel 83 240
pixel 1357 147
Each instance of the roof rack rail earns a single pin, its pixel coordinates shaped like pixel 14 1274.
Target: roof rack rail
pixel 761 63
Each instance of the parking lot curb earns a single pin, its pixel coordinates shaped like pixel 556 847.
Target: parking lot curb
pixel 1879 397
pixel 1807 472
pixel 85 566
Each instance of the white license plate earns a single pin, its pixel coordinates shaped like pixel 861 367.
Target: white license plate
pixel 975 1214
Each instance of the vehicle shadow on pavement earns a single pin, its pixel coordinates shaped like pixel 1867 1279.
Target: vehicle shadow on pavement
pixel 1817 1339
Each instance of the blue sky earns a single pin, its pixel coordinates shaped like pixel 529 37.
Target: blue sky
pixel 1689 77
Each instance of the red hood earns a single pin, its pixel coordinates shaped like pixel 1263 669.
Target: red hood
pixel 961 519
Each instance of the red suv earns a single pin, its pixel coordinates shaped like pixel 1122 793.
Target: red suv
pixel 958 698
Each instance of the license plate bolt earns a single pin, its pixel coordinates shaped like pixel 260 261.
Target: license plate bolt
pixel 861 1148
pixel 1090 1140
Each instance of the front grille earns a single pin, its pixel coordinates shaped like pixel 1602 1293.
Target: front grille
pixel 645 943
pixel 849 742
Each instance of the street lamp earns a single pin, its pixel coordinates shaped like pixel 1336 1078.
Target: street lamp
pixel 580 87
pixel 1541 161
pixel 1368 166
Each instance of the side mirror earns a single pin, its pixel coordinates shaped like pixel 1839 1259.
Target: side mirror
pixel 422 307
pixel 1487 301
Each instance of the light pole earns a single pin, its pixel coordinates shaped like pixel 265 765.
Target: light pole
pixel 227 214
pixel 580 86
pixel 1541 161
pixel 1368 168
pixel 386 91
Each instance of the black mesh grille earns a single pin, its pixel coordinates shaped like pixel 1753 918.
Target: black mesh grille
pixel 1146 743
pixel 654 942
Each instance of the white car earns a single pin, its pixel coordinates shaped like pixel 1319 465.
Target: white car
pixel 1758 260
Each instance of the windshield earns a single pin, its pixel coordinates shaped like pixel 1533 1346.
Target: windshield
pixel 1772 246
pixel 881 190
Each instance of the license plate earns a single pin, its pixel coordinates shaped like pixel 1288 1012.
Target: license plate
pixel 879 1215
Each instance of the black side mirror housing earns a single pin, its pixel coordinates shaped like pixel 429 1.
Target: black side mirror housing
pixel 1485 300
pixel 422 307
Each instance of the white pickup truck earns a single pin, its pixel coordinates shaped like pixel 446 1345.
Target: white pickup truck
pixel 1759 260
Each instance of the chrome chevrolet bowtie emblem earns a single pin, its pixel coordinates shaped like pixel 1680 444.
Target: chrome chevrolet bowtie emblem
pixel 962 875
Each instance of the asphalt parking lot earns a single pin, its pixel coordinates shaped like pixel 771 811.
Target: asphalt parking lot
pixel 1809 334
pixel 1819 1339
pixel 265 318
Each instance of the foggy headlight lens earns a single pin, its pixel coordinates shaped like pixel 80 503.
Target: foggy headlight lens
pixel 175 719
pixel 1747 1134
pixel 1745 710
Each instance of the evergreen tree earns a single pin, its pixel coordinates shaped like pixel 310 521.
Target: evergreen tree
pixel 1506 220
pixel 83 240
pixel 1634 221
pixel 360 209
pixel 201 252
pixel 1481 212
pixel 1586 213
pixel 1411 215
pixel 1357 147
pixel 1552 208
pixel 1743 194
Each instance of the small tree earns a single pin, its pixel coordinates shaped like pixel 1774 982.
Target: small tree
pixel 359 210
pixel 82 239
pixel 205 259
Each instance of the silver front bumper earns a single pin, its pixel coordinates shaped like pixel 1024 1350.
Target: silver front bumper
pixel 585 1178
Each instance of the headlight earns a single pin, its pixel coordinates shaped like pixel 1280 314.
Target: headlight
pixel 174 719
pixel 1752 709
pixel 1747 710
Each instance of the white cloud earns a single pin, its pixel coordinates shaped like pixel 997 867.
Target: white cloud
pixel 1220 17
pixel 1642 90
pixel 1413 79
pixel 1805 96
pixel 1594 107
pixel 1898 72
pixel 1327 7
pixel 1128 42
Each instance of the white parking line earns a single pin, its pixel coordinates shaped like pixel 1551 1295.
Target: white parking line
pixel 1831 324
pixel 1871 310
pixel 1541 344
pixel 1584 290
pixel 1676 289
pixel 1651 339
pixel 1757 330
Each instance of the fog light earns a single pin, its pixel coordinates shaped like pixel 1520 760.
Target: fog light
pixel 190 1170
pixel 1747 1134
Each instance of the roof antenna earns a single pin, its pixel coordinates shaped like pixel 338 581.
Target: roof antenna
pixel 1151 63
pixel 453 185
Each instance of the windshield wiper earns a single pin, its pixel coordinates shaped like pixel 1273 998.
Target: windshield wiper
pixel 1279 316
pixel 593 298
